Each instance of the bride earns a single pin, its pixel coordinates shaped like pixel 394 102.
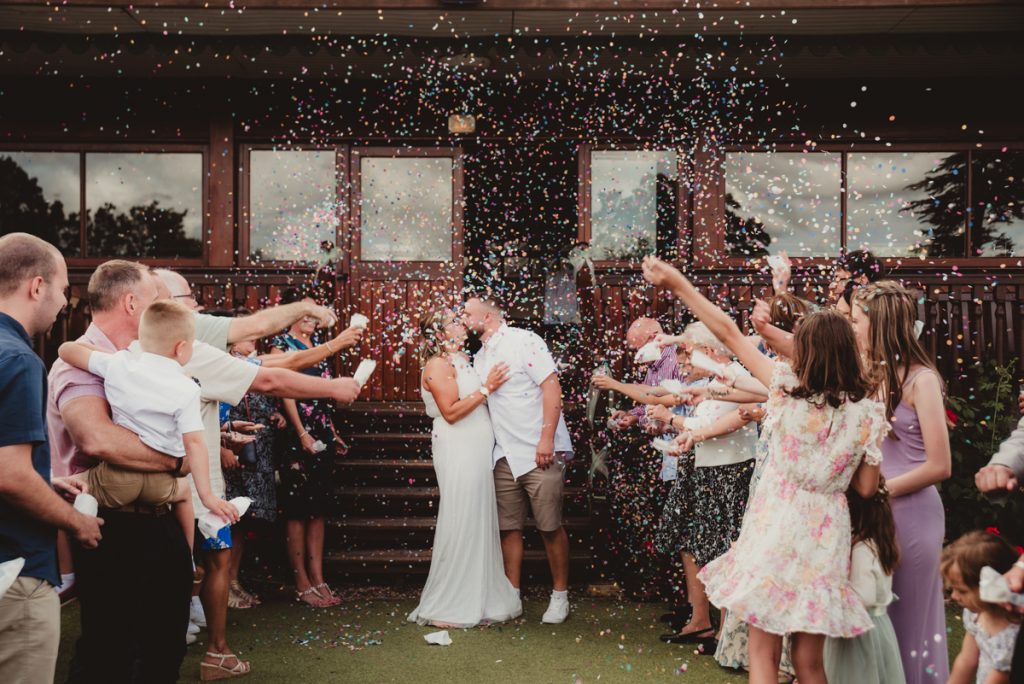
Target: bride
pixel 467 584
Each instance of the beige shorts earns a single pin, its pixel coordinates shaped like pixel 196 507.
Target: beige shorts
pixel 114 487
pixel 539 490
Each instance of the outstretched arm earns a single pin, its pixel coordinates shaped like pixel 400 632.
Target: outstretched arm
pixel 280 382
pixel 719 323
pixel 275 319
pixel 305 358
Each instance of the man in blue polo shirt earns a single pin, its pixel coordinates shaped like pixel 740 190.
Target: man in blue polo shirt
pixel 33 280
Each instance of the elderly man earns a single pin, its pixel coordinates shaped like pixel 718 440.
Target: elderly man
pixel 221 332
pixel 144 554
pixel 33 281
pixel 642 331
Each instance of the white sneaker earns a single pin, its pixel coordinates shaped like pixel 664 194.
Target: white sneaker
pixel 195 612
pixel 193 628
pixel 558 610
pixel 190 639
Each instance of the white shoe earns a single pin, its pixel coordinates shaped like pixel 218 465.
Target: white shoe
pixel 193 628
pixel 195 612
pixel 558 610
pixel 190 639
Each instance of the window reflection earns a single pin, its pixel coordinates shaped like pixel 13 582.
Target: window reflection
pixel 144 204
pixel 40 194
pixel 997 199
pixel 406 209
pixel 906 203
pixel 292 205
pixel 782 201
pixel 633 203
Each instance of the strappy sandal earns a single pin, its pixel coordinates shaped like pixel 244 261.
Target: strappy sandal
pixel 246 596
pixel 303 597
pixel 236 600
pixel 324 590
pixel 209 672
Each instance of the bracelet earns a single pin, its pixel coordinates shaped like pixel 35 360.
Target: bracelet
pixel 177 466
pixel 328 345
pixel 303 434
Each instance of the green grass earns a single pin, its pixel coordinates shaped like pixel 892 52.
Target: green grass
pixel 368 640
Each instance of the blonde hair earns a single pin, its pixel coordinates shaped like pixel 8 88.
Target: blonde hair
pixel 894 347
pixel 163 325
pixel 432 332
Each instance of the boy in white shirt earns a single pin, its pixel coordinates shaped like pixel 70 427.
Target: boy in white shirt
pixel 150 395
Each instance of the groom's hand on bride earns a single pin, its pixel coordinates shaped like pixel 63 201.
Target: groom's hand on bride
pixel 545 453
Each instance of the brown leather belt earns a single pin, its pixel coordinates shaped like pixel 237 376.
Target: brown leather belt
pixel 138 509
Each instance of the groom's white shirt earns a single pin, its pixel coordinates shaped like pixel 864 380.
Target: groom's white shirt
pixel 517 408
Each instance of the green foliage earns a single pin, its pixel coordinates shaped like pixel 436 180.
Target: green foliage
pixel 986 414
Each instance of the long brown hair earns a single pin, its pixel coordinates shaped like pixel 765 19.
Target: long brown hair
pixel 891 310
pixel 786 310
pixel 872 521
pixel 973 551
pixel 826 361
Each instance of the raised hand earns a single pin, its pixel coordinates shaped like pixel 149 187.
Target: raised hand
pixel 661 273
pixel 325 316
pixel 348 338
pixel 762 315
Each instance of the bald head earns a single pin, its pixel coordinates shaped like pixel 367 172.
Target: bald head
pixel 642 331
pixel 176 286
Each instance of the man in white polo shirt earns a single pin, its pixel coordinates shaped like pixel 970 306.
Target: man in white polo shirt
pixel 531 445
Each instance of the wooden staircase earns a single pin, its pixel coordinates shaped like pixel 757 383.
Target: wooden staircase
pixel 387 501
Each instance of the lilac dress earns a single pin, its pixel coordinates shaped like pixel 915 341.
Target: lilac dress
pixel 918 614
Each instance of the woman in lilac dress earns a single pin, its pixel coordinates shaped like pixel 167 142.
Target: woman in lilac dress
pixel 915 457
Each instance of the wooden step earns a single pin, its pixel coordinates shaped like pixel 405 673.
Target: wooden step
pixel 423 523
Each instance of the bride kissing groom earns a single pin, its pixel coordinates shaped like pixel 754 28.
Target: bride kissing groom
pixel 500 446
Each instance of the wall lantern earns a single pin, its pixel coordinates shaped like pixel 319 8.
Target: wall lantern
pixel 461 124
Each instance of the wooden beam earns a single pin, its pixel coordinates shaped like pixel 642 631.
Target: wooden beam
pixel 619 6
pixel 221 200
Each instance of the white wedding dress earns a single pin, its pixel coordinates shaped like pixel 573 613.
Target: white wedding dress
pixel 467 584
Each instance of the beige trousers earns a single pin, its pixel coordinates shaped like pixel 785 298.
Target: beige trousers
pixel 29 632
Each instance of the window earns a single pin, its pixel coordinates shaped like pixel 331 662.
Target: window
pixel 997 202
pixel 898 203
pixel 293 204
pixel 634 200
pixel 906 203
pixel 40 194
pixel 144 205
pixel 782 201
pixel 129 204
pixel 406 209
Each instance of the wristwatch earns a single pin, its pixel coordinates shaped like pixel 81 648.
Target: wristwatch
pixel 484 391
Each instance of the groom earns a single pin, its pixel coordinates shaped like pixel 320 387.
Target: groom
pixel 531 445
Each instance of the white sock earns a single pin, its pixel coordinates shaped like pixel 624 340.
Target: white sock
pixel 518 596
pixel 560 595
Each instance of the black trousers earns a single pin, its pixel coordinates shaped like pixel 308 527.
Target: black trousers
pixel 134 591
pixel 1017 666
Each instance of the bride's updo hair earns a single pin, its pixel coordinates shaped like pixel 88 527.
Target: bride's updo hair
pixel 432 334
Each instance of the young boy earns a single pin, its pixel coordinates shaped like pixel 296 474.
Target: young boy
pixel 150 395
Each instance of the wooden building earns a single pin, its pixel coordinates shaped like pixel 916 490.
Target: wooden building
pixel 247 147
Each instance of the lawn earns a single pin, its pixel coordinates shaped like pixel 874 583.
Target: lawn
pixel 367 640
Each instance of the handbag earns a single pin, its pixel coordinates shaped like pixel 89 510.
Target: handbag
pixel 247 456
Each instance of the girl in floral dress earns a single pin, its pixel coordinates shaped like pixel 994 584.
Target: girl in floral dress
pixel 788 573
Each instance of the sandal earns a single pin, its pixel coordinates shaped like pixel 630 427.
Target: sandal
pixel 209 672
pixel 324 590
pixel 312 597
pixel 241 596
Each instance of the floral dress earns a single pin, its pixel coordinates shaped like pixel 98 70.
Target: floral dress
pixel 256 480
pixel 306 479
pixel 789 571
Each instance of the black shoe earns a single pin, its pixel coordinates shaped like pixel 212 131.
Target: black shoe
pixel 677 623
pixel 682 613
pixel 704 638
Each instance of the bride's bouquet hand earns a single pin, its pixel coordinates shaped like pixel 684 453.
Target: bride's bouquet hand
pixel 496 377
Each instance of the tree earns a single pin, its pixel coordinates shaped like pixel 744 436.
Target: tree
pixel 144 231
pixel 24 209
pixel 744 237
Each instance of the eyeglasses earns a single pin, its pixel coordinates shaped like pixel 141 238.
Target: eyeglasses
pixel 187 295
